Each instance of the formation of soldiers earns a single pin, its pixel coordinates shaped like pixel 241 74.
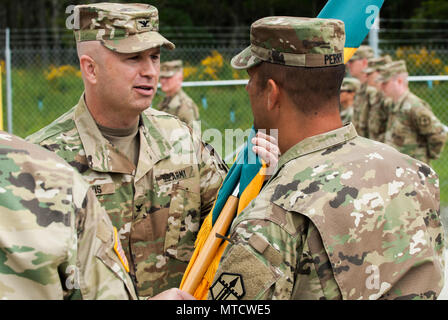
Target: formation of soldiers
pixel 385 110
pixel 112 207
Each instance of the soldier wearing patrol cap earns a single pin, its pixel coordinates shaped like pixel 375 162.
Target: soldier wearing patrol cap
pixel 348 91
pixel 412 127
pixel 330 222
pixel 379 103
pixel 156 179
pixel 356 65
pixel 372 70
pixel 176 101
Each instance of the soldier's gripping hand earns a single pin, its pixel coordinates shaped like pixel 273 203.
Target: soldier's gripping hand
pixel 173 294
pixel 266 147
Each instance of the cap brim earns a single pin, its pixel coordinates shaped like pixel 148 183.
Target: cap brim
pixel 138 42
pixel 167 74
pixel 245 60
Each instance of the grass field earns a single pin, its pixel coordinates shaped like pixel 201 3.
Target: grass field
pixel 38 99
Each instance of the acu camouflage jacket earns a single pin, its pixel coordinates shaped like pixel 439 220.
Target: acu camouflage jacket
pixel 157 207
pixel 343 217
pixel 412 128
pixel 56 242
pixel 181 106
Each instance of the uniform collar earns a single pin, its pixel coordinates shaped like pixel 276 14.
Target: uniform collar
pixel 317 143
pixel 403 97
pixel 103 157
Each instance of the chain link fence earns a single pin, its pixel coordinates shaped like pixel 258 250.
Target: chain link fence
pixel 46 81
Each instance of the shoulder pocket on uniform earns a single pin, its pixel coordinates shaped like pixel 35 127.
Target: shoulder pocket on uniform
pixel 109 252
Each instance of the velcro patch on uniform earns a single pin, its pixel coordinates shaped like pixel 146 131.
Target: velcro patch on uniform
pixel 119 251
pixel 229 286
pixel 175 175
pixel 102 189
pixel 264 248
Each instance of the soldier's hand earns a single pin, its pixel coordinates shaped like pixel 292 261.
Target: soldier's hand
pixel 173 294
pixel 266 147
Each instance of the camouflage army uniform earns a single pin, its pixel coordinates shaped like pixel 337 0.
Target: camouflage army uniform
pixel 347 115
pixel 363 98
pixel 412 127
pixel 376 117
pixel 367 99
pixel 351 85
pixel 380 104
pixel 343 217
pixel 330 224
pixel 157 207
pixel 56 242
pixel 179 104
pixel 182 106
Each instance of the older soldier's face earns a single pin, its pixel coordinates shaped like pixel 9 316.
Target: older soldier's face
pixel 128 82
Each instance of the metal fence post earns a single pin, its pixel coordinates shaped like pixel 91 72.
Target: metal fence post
pixel 8 81
pixel 374 36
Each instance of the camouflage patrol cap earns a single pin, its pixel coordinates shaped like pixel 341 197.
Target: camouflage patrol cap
pixel 124 28
pixel 392 69
pixel 350 84
pixel 363 52
pixel 294 41
pixel 376 63
pixel 170 68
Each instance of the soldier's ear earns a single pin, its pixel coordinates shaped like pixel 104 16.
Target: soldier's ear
pixel 273 95
pixel 88 69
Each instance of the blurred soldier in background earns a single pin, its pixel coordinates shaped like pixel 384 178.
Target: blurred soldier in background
pixel 176 101
pixel 380 105
pixel 348 92
pixel 56 241
pixel 372 70
pixel 412 127
pixel 362 105
pixel 156 180
pixel 343 217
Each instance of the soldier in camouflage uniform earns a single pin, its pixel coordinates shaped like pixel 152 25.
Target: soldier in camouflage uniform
pixel 155 178
pixel 348 92
pixel 56 242
pixel 412 127
pixel 176 101
pixel 362 104
pixel 343 217
pixel 380 106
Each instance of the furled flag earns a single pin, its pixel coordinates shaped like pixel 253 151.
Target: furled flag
pixel 246 176
pixel 358 17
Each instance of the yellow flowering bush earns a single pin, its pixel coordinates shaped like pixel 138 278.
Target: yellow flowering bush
pixel 61 77
pixel 213 67
pixel 421 62
pixel 3 66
